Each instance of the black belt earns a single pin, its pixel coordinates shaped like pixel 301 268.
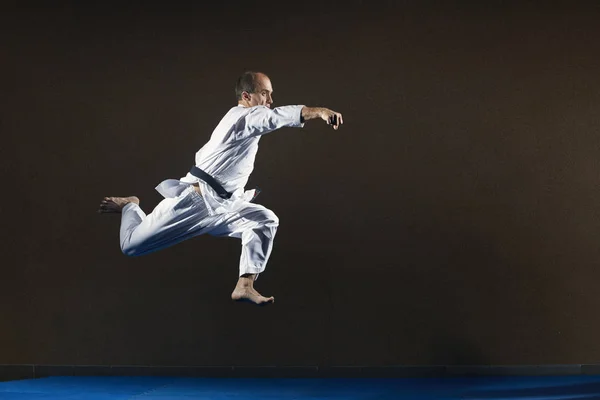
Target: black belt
pixel 212 182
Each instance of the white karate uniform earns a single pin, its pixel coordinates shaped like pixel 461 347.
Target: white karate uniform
pixel 229 157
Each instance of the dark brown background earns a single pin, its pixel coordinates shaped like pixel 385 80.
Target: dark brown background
pixel 453 220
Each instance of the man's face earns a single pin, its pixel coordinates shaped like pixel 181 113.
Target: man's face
pixel 264 93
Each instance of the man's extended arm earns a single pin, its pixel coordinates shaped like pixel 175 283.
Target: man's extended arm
pixel 261 120
pixel 331 117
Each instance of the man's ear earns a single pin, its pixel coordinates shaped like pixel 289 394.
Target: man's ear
pixel 246 96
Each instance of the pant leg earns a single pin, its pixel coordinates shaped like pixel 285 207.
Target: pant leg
pixel 172 221
pixel 256 226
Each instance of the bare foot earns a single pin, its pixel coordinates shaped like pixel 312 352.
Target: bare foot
pixel 249 294
pixel 116 204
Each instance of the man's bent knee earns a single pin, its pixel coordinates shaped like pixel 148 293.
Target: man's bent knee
pixel 129 250
pixel 271 219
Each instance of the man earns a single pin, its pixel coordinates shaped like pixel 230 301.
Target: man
pixel 211 197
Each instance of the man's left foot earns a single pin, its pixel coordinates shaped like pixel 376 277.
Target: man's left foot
pixel 116 204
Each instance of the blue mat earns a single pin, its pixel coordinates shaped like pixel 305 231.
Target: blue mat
pixel 113 388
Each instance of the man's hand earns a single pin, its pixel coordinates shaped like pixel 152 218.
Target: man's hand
pixel 331 117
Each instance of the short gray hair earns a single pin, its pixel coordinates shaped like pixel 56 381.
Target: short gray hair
pixel 247 82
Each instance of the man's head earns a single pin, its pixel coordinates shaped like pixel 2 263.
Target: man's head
pixel 254 89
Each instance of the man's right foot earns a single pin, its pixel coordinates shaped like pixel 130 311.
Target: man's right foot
pixel 249 294
pixel 116 204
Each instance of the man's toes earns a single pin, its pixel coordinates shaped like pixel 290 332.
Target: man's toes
pixel 266 301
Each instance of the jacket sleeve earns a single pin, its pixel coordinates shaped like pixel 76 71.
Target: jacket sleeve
pixel 261 120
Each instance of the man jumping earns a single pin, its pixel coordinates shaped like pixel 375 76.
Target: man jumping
pixel 211 198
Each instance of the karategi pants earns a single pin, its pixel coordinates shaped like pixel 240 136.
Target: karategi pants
pixel 182 217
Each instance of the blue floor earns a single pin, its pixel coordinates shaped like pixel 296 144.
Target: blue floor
pixel 113 388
